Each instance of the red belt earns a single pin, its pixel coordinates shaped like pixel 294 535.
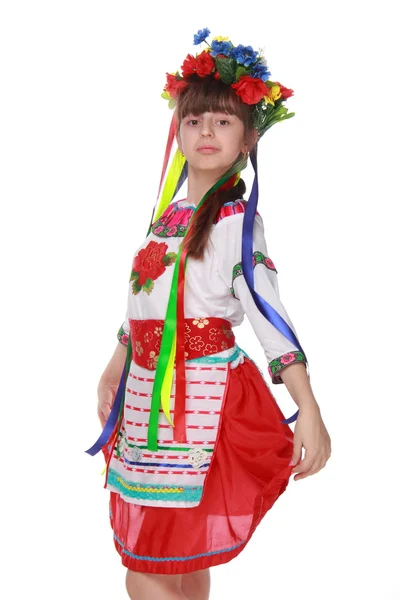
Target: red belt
pixel 203 336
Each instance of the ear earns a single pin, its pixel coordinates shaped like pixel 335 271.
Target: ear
pixel 178 139
pixel 251 140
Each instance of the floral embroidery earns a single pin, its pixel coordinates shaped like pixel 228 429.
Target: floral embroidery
pixel 277 364
pixel 188 332
pixel 215 334
pixel 149 264
pixel 209 335
pixel 228 333
pixel 134 453
pixel 197 457
pixel 173 222
pixel 122 336
pixel 200 322
pixel 210 349
pixel 153 359
pixel 196 343
pixel 122 445
pixel 258 258
pixel 148 336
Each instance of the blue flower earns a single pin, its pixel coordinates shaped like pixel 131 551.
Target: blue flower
pixel 245 55
pixel 200 36
pixel 260 71
pixel 220 48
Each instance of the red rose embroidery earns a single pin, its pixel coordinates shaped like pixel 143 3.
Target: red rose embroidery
pixel 149 264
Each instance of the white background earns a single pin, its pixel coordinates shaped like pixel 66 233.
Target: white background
pixel 83 132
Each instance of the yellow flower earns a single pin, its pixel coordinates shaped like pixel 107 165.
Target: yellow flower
pixel 269 101
pixel 219 38
pixel 274 94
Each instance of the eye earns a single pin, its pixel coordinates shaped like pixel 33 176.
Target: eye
pixel 192 120
pixel 224 120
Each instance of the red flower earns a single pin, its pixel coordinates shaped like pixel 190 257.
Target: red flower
pixel 189 66
pixel 217 75
pixel 202 65
pixel 250 89
pixel 174 86
pixel 148 263
pixel 205 64
pixel 285 92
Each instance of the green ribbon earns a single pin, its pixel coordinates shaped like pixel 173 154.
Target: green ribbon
pixel 169 331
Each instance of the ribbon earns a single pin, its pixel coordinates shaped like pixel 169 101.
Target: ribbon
pixel 114 418
pixel 247 262
pixel 173 338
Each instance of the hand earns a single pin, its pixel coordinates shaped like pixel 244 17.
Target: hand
pixel 106 393
pixel 311 433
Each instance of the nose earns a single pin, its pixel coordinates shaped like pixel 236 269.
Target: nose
pixel 206 129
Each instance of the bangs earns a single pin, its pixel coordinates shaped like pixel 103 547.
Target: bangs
pixel 207 94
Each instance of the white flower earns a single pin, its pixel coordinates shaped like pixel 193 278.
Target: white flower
pixel 197 457
pixel 135 453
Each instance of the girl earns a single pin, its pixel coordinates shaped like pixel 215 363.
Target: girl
pixel 197 449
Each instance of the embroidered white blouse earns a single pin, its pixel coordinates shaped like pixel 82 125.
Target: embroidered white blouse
pixel 214 286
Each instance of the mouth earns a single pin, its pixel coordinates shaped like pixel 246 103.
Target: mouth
pixel 207 149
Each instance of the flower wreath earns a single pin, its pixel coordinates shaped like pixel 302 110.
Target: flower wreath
pixel 241 67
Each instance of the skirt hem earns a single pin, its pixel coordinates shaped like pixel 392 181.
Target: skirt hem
pixel 181 565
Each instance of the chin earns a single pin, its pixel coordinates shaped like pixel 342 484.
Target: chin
pixel 210 162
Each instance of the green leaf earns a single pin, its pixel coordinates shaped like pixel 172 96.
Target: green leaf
pixel 134 276
pixel 241 71
pixel 165 95
pixel 171 103
pixel 136 287
pixel 169 258
pixel 148 286
pixel 226 68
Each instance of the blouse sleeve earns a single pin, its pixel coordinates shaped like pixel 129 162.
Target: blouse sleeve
pixel 279 351
pixel 123 333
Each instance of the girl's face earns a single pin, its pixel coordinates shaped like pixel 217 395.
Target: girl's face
pixel 223 132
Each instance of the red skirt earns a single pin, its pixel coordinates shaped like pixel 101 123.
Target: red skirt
pixel 249 471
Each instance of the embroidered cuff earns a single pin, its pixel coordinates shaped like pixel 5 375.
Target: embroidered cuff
pixel 122 336
pixel 258 258
pixel 277 364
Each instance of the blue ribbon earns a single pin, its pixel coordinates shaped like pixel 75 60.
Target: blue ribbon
pixel 248 271
pixel 116 410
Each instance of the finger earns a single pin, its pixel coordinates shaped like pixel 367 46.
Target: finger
pixel 297 448
pixel 305 464
pixel 317 466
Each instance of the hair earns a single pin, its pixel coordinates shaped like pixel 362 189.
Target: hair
pixel 207 94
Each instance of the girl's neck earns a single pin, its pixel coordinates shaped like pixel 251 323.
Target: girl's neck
pixel 199 182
